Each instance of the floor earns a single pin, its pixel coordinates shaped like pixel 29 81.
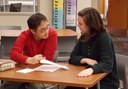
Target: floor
pixel 49 86
pixel 120 45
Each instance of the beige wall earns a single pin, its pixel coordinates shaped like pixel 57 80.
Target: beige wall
pixel 20 19
pixel 14 19
pixel 45 7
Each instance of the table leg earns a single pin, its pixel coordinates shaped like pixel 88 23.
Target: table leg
pixel 98 85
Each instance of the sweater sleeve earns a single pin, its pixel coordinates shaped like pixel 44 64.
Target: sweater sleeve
pixel 51 45
pixel 75 56
pixel 16 53
pixel 106 54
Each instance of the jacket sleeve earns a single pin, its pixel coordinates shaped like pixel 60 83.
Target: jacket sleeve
pixel 75 56
pixel 106 54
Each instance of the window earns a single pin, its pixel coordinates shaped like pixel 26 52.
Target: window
pixel 15 7
pixel 19 5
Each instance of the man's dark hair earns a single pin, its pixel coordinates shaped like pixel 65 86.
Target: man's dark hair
pixel 35 20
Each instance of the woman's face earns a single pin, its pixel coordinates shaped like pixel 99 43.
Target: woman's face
pixel 81 24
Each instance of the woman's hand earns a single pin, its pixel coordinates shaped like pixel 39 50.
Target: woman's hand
pixel 88 61
pixel 85 73
pixel 35 59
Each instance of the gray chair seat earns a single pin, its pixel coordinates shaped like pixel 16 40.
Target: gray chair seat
pixel 122 67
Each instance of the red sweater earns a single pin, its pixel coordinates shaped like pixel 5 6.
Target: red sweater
pixel 25 46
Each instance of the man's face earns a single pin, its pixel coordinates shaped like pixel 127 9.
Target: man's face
pixel 42 31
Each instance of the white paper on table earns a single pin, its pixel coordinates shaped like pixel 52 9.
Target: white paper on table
pixel 49 68
pixel 44 61
pixel 26 70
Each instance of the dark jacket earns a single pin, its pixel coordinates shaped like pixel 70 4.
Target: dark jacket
pixel 100 48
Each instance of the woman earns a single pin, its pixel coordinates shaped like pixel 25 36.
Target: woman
pixel 95 50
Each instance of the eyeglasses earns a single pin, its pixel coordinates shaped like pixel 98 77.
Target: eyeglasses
pixel 43 30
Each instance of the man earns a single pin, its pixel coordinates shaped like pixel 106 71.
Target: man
pixel 32 45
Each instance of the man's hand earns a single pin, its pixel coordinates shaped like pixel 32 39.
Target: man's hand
pixel 35 59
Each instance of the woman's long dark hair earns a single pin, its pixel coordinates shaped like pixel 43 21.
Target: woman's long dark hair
pixel 94 22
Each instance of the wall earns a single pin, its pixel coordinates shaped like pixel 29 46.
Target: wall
pixel 14 19
pixel 20 19
pixel 81 4
pixel 45 7
pixel 118 14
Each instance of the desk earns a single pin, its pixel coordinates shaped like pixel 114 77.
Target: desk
pixel 10 33
pixel 61 33
pixel 66 33
pixel 66 40
pixel 60 77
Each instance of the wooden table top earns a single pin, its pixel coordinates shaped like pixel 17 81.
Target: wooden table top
pixel 60 77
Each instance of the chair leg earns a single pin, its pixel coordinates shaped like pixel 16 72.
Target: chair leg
pixel 50 86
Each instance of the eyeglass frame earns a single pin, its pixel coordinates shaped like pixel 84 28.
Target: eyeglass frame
pixel 43 29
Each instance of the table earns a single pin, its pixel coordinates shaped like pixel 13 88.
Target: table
pixel 60 77
pixel 66 41
pixel 61 33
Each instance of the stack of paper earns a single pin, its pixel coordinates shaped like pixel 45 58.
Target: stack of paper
pixel 6 64
pixel 47 66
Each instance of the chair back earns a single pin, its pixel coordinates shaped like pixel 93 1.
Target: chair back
pixel 1 51
pixel 56 56
pixel 7 42
pixel 122 67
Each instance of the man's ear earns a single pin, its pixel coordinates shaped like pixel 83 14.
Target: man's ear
pixel 32 30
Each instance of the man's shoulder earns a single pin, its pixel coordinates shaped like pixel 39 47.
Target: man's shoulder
pixel 52 31
pixel 25 34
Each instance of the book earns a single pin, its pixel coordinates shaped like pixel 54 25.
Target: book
pixel 6 64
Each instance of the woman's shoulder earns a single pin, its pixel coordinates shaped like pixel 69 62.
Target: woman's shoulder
pixel 104 35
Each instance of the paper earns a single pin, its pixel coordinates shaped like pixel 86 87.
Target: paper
pixel 44 61
pixel 49 68
pixel 26 70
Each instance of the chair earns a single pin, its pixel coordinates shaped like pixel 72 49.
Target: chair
pixel 7 43
pixel 1 51
pixel 1 56
pixel 122 67
pixel 55 58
